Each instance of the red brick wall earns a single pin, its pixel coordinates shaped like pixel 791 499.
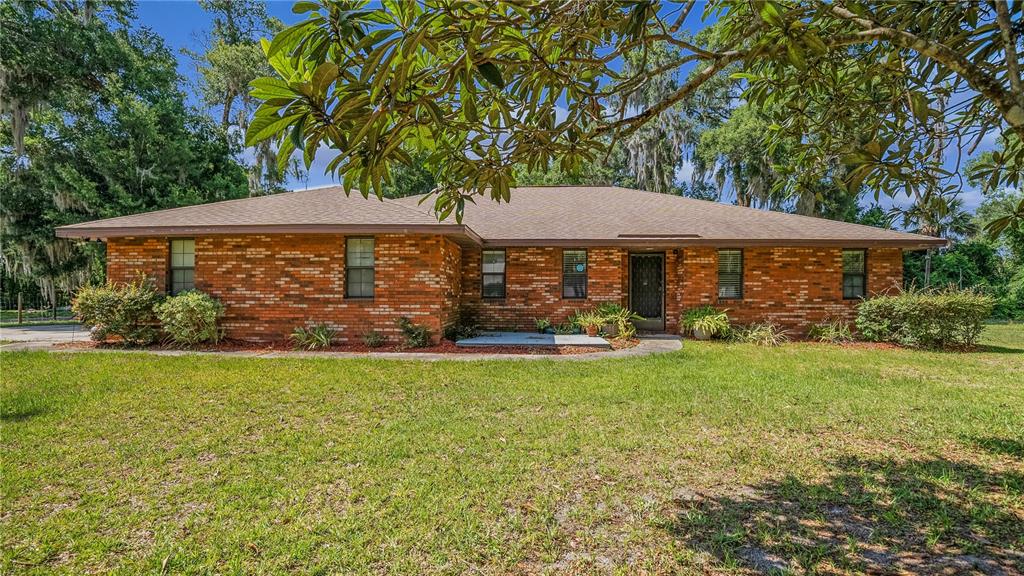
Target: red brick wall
pixel 794 287
pixel 269 284
pixel 533 286
pixel 126 257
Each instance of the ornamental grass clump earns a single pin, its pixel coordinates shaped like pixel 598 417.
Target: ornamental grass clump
pixel 762 333
pixel 191 318
pixel 318 337
pixel 949 318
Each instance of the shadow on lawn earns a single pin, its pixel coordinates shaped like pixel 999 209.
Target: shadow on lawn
pixel 876 516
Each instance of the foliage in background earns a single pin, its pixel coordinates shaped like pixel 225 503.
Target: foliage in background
pixel 190 318
pixel 94 125
pixel 126 310
pixel 232 59
pixel 926 319
pixel 317 337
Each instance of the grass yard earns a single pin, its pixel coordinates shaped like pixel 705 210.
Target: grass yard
pixel 717 459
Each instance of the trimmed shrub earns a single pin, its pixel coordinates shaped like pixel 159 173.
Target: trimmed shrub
pixel 191 317
pixel 831 331
pixel 313 338
pixel 942 319
pixel 416 335
pixel 123 310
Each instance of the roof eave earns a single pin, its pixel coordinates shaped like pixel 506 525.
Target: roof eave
pixel 104 232
pixel 912 243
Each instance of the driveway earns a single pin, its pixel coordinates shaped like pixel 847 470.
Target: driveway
pixel 41 336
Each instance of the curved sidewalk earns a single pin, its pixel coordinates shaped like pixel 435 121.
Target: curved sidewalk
pixel 656 344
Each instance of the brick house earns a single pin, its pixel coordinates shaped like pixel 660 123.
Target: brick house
pixel 299 258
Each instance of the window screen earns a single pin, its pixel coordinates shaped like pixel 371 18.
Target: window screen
pixel 359 267
pixel 183 265
pixel 730 274
pixel 493 274
pixel 854 277
pixel 574 274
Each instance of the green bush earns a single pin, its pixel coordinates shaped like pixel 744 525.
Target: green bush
pixel 831 331
pixel 374 339
pixel 542 325
pixel 465 326
pixel 315 337
pixel 122 310
pixel 707 319
pixel 191 317
pixel 416 335
pixel 939 319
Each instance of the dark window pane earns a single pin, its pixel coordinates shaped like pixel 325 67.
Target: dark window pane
pixel 360 283
pixel 730 274
pixel 853 286
pixel 182 279
pixel 574 274
pixel 494 286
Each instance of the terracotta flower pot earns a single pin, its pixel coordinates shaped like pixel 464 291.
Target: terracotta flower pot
pixel 591 330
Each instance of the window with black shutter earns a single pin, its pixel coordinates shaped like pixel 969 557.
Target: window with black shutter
pixel 730 274
pixel 854 273
pixel 493 277
pixel 574 274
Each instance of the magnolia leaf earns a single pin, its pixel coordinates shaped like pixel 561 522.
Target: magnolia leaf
pixel 491 73
pixel 919 106
pixel 263 127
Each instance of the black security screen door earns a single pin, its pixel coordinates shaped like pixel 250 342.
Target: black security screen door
pixel 647 289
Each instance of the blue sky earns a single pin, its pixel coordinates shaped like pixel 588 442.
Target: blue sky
pixel 183 24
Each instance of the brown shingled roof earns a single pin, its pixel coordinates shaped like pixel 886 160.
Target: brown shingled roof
pixel 550 215
pixel 576 215
pixel 319 210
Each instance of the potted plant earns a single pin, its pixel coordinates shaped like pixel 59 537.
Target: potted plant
pixel 542 324
pixel 706 322
pixel 617 320
pixel 590 322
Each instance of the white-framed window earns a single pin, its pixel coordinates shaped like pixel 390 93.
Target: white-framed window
pixel 359 267
pixel 183 265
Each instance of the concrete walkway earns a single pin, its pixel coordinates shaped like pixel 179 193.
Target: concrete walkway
pixel 46 334
pixel 655 344
pixel 533 339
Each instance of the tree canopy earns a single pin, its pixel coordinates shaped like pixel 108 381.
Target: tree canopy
pixel 101 129
pixel 862 92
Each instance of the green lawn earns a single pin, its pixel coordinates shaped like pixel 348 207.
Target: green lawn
pixel 717 459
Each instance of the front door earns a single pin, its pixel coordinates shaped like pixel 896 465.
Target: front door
pixel 647 289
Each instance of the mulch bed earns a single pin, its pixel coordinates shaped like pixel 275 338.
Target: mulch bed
pixel 445 347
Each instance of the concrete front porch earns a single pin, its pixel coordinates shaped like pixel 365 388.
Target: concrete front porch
pixel 533 339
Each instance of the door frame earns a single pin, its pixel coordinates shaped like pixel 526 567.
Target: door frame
pixel 654 324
